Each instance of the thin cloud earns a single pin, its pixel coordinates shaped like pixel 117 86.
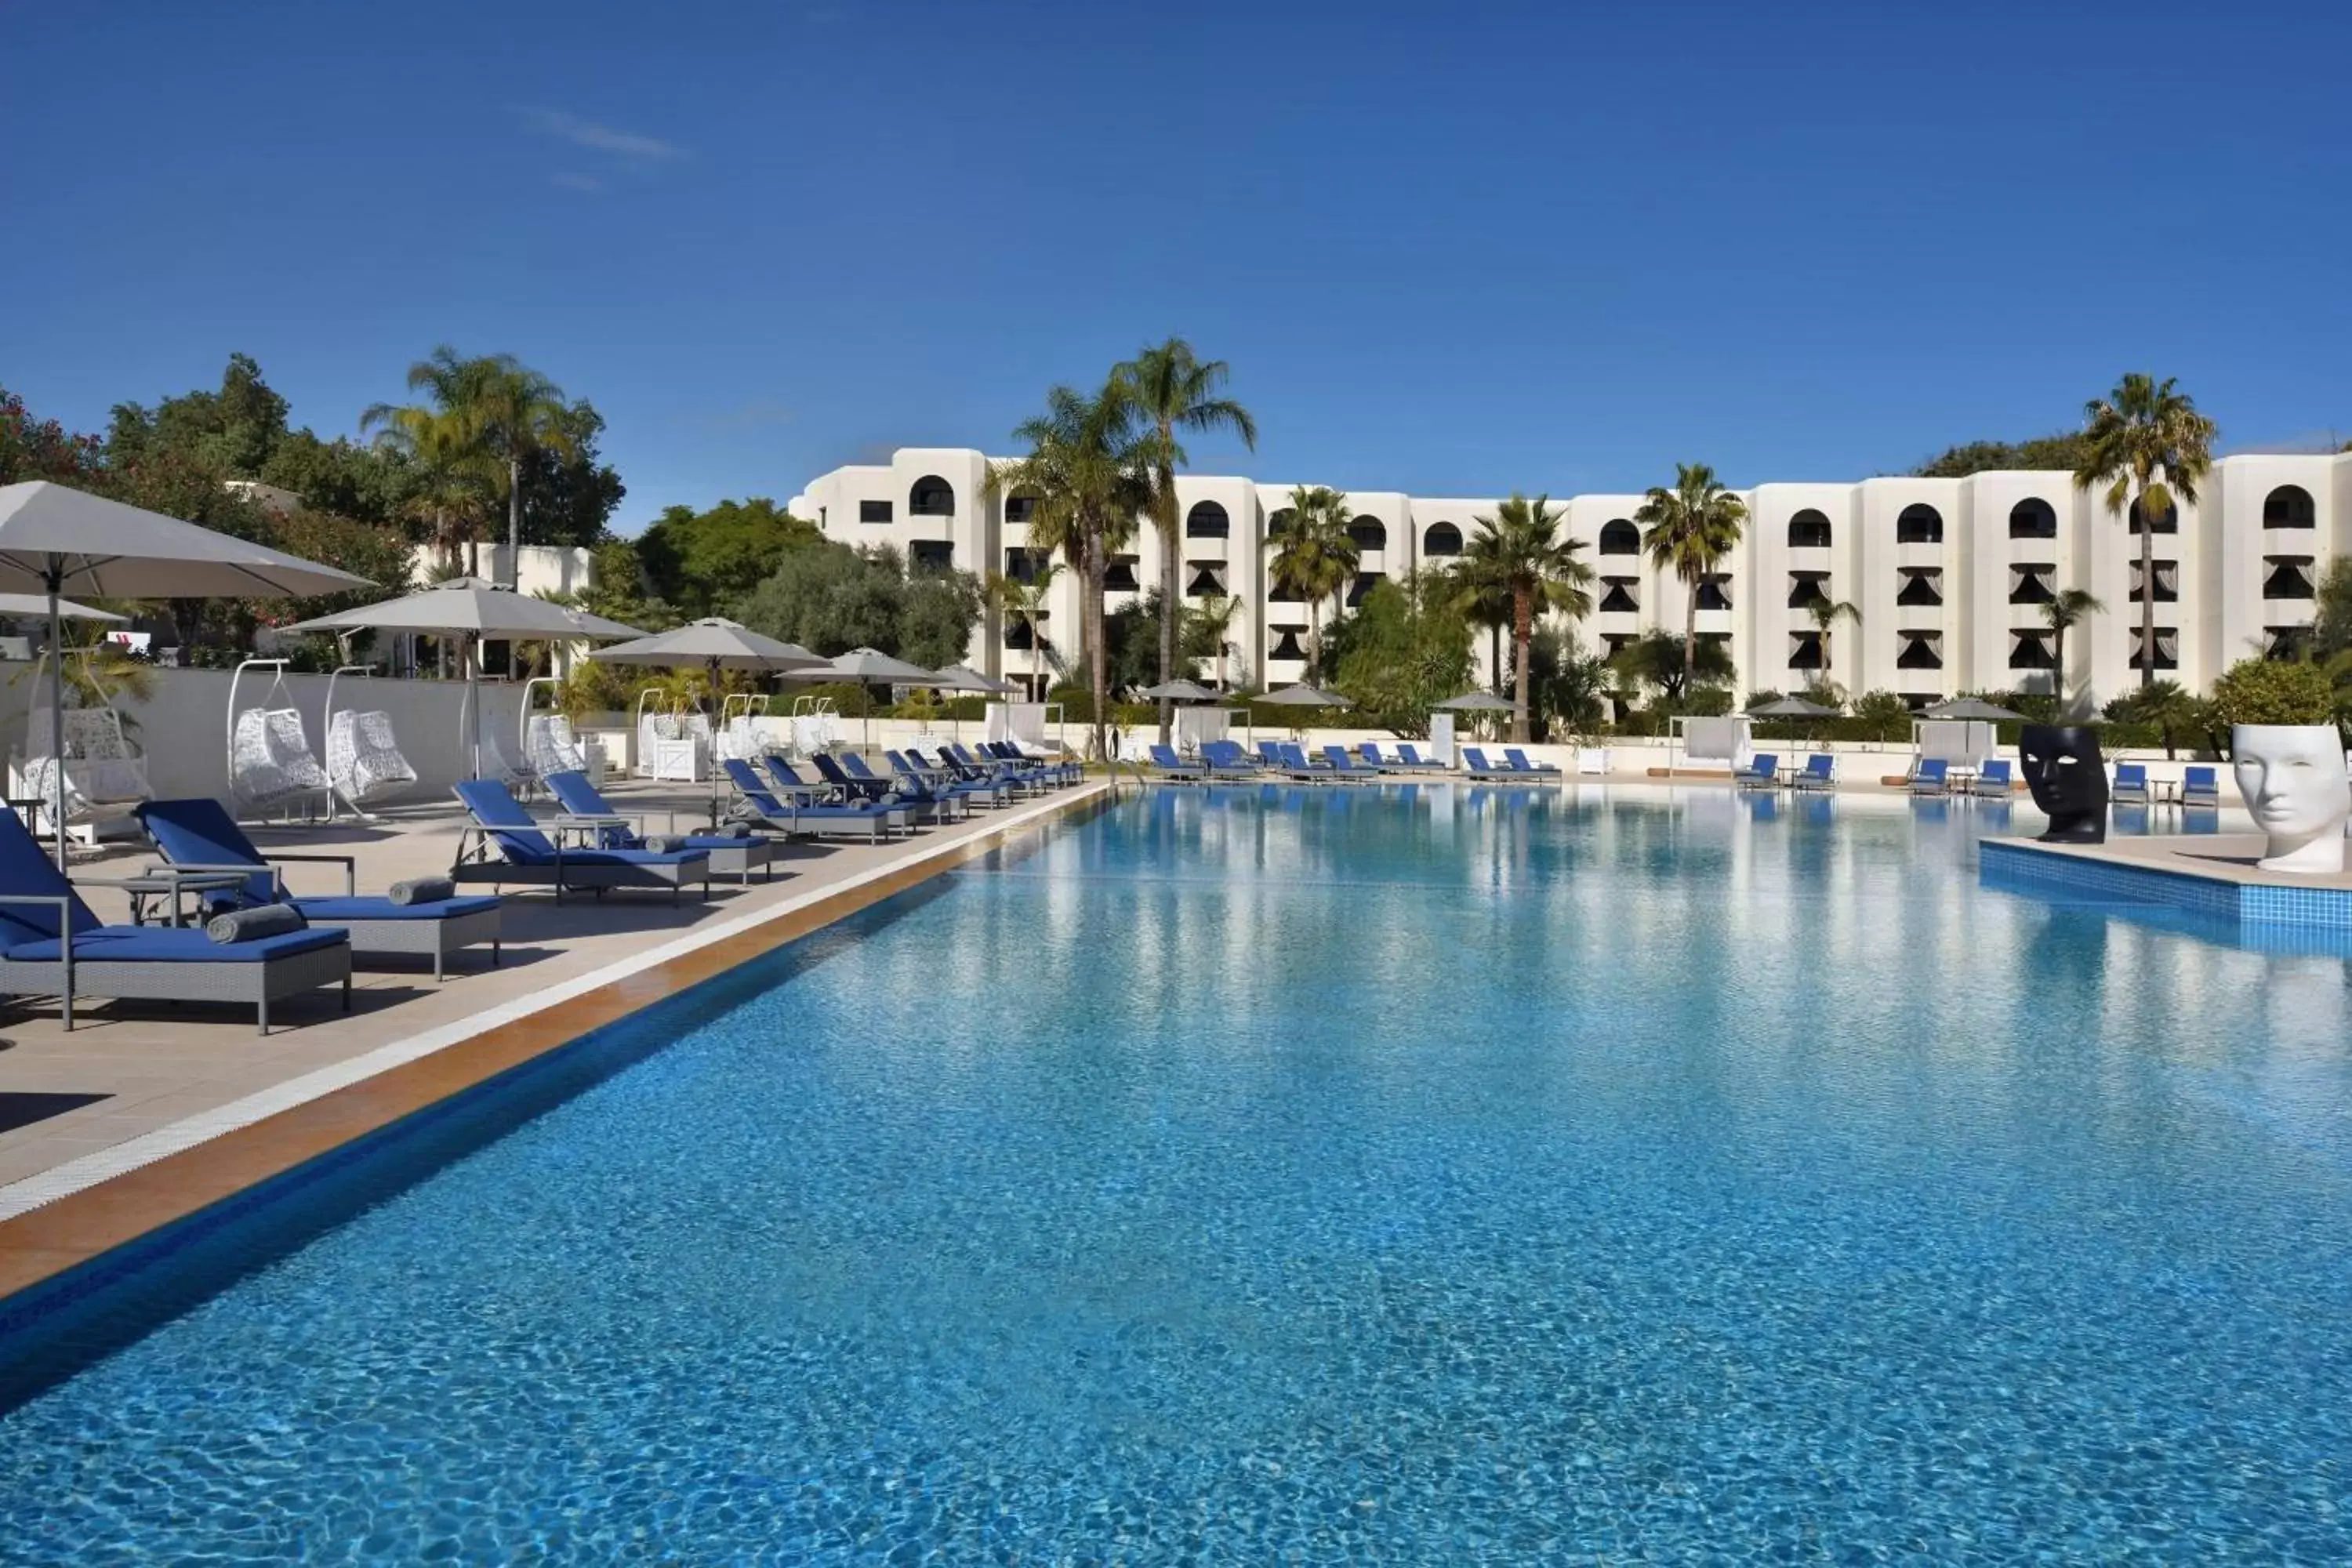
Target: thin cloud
pixel 626 146
pixel 587 182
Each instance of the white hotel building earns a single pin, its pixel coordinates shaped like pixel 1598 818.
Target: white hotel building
pixel 1949 575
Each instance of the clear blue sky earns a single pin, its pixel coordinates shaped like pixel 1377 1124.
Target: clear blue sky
pixel 1447 248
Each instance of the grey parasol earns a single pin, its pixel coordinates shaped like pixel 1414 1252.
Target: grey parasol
pixel 479 612
pixel 54 538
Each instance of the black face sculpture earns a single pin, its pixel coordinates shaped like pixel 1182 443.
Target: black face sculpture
pixel 2069 781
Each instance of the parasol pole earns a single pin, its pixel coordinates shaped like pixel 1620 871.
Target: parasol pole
pixel 54 577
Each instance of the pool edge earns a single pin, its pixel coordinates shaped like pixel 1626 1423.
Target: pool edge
pixel 78 1227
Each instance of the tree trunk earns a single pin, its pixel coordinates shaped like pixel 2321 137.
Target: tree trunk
pixel 1171 603
pixel 514 522
pixel 1099 653
pixel 1522 634
pixel 2058 669
pixel 1690 638
pixel 2147 594
pixel 1313 638
pixel 1495 656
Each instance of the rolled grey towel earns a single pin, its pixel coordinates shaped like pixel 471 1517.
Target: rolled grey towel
pixel 664 843
pixel 248 925
pixel 422 890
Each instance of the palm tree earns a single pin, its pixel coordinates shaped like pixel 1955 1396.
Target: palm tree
pixel 1690 529
pixel 1173 391
pixel 498 412
pixel 1314 557
pixel 448 496
pixel 1520 548
pixel 1483 597
pixel 2066 607
pixel 1086 471
pixel 2149 445
pixel 1825 614
pixel 1213 622
pixel 1027 601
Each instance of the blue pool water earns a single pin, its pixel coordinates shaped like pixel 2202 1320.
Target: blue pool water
pixel 1326 1177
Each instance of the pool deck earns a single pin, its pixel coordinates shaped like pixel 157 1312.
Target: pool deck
pixel 2215 856
pixel 2210 875
pixel 198 1106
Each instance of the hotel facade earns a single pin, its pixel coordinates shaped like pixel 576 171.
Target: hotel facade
pixel 1949 575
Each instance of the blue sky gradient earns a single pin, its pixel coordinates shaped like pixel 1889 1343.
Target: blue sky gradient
pixel 1447 248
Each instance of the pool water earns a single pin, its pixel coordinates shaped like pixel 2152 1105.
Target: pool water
pixel 1423 1176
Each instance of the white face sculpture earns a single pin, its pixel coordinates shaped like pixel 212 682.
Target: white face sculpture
pixel 2292 778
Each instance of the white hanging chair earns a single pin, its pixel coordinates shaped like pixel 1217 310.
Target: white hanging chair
pixel 552 747
pixel 270 762
pixel 105 775
pixel 364 758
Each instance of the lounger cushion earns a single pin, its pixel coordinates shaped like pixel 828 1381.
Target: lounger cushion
pixel 721 841
pixel 371 908
pixel 174 945
pixel 633 857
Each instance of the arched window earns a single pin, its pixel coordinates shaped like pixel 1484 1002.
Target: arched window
pixel 1809 530
pixel 1441 539
pixel 2289 505
pixel 1370 534
pixel 2032 518
pixel 2168 524
pixel 1619 537
pixel 931 496
pixel 1207 519
pixel 1920 525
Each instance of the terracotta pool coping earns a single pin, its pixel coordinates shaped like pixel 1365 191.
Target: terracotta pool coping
pixel 78 1226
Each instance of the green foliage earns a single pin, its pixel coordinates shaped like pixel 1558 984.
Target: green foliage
pixel 2331 625
pixel 1403 649
pixel 1659 661
pixel 830 598
pixel 2266 691
pixel 2062 450
pixel 1569 689
pixel 233 431
pixel 1315 557
pixel 2145 444
pixel 1517 555
pixel 33 448
pixel 1882 716
pixel 2177 716
pixel 705 562
pixel 569 495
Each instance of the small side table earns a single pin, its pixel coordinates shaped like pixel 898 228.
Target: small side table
pixel 169 890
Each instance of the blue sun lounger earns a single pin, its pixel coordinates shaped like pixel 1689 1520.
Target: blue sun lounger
pixel 586 812
pixel 1931 777
pixel 2201 789
pixel 1762 771
pixel 2131 783
pixel 1166 764
pixel 505 844
pixel 52 945
pixel 908 771
pixel 1055 772
pixel 198 837
pixel 797 808
pixel 1296 765
pixel 1269 752
pixel 1347 768
pixel 1475 764
pixel 941 805
pixel 1414 759
pixel 1226 760
pixel 1992 779
pixel 1820 772
pixel 1517 760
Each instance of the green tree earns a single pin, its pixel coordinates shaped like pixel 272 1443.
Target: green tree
pixel 1027 601
pixel 2065 609
pixel 2062 450
pixel 2266 691
pixel 447 499
pixel 497 412
pixel 2147 445
pixel 34 448
pixel 704 561
pixel 1176 393
pixel 234 430
pixel 936 611
pixel 1669 666
pixel 1403 650
pixel 1314 557
pixel 2168 706
pixel 1825 613
pixel 2331 623
pixel 1209 631
pixel 1087 474
pixel 1689 530
pixel 569 492
pixel 831 598
pixel 1521 548
pixel 1883 716
pixel 1572 687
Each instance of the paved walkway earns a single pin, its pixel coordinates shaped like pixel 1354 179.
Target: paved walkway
pixel 203 1070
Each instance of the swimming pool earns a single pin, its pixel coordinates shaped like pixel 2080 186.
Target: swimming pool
pixel 1295 1176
